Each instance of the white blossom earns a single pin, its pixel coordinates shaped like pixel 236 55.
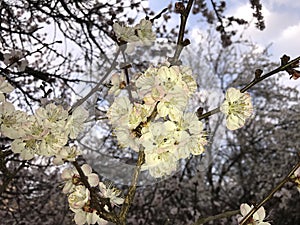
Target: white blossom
pixel 75 122
pixel 107 191
pixel 79 197
pixel 72 178
pixel 237 107
pixel 256 219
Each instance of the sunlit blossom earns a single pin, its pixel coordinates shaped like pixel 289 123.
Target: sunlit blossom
pixel 237 107
pixel 108 191
pixel 26 148
pixel 66 153
pixel 52 115
pixel 160 164
pixel 13 122
pixel 119 111
pixel 79 197
pixel 72 178
pixel 256 219
pixel 75 122
pixel 86 215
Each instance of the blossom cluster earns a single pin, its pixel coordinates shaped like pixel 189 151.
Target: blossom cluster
pixel 46 133
pixel 155 119
pixel 79 196
pixel 139 35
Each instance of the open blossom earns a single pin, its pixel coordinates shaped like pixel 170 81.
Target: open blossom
pixel 237 107
pixel 125 33
pixel 256 219
pixel 119 111
pixel 158 137
pixel 26 148
pixel 13 122
pixel 5 88
pixel 112 193
pixel 75 122
pixel 79 197
pixel 66 153
pixel 160 164
pixel 141 33
pixel 52 115
pixel 190 136
pixel 154 122
pixel 87 215
pixel 118 83
pixel 144 32
pixel 15 59
pixel 72 178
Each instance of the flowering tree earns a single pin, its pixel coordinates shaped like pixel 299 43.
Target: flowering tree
pixel 147 106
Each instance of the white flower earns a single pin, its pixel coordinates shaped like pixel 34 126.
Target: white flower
pixel 127 138
pixel 13 122
pixel 159 137
pixel 26 148
pixel 52 115
pixel 72 178
pixel 5 88
pixel 15 59
pixel 111 193
pixel 139 113
pixel 87 215
pixel 160 164
pixel 66 153
pixel 118 83
pixel 75 122
pixel 52 143
pixel 237 107
pixel 79 197
pixel 191 139
pixel 173 104
pixel 119 111
pixel 144 32
pixel 256 219
pixel 125 33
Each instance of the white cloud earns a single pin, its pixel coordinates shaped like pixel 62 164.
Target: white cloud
pixel 282 27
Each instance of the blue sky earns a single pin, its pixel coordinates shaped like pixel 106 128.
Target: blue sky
pixel 282 18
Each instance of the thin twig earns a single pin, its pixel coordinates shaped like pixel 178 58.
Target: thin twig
pixel 216 217
pixel 96 88
pixel 270 195
pixel 254 82
pixel 183 21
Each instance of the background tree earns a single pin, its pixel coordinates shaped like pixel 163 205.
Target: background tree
pixel 76 53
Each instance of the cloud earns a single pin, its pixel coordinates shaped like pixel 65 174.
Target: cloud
pixel 282 27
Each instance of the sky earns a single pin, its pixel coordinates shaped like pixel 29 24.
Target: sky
pixel 282 19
